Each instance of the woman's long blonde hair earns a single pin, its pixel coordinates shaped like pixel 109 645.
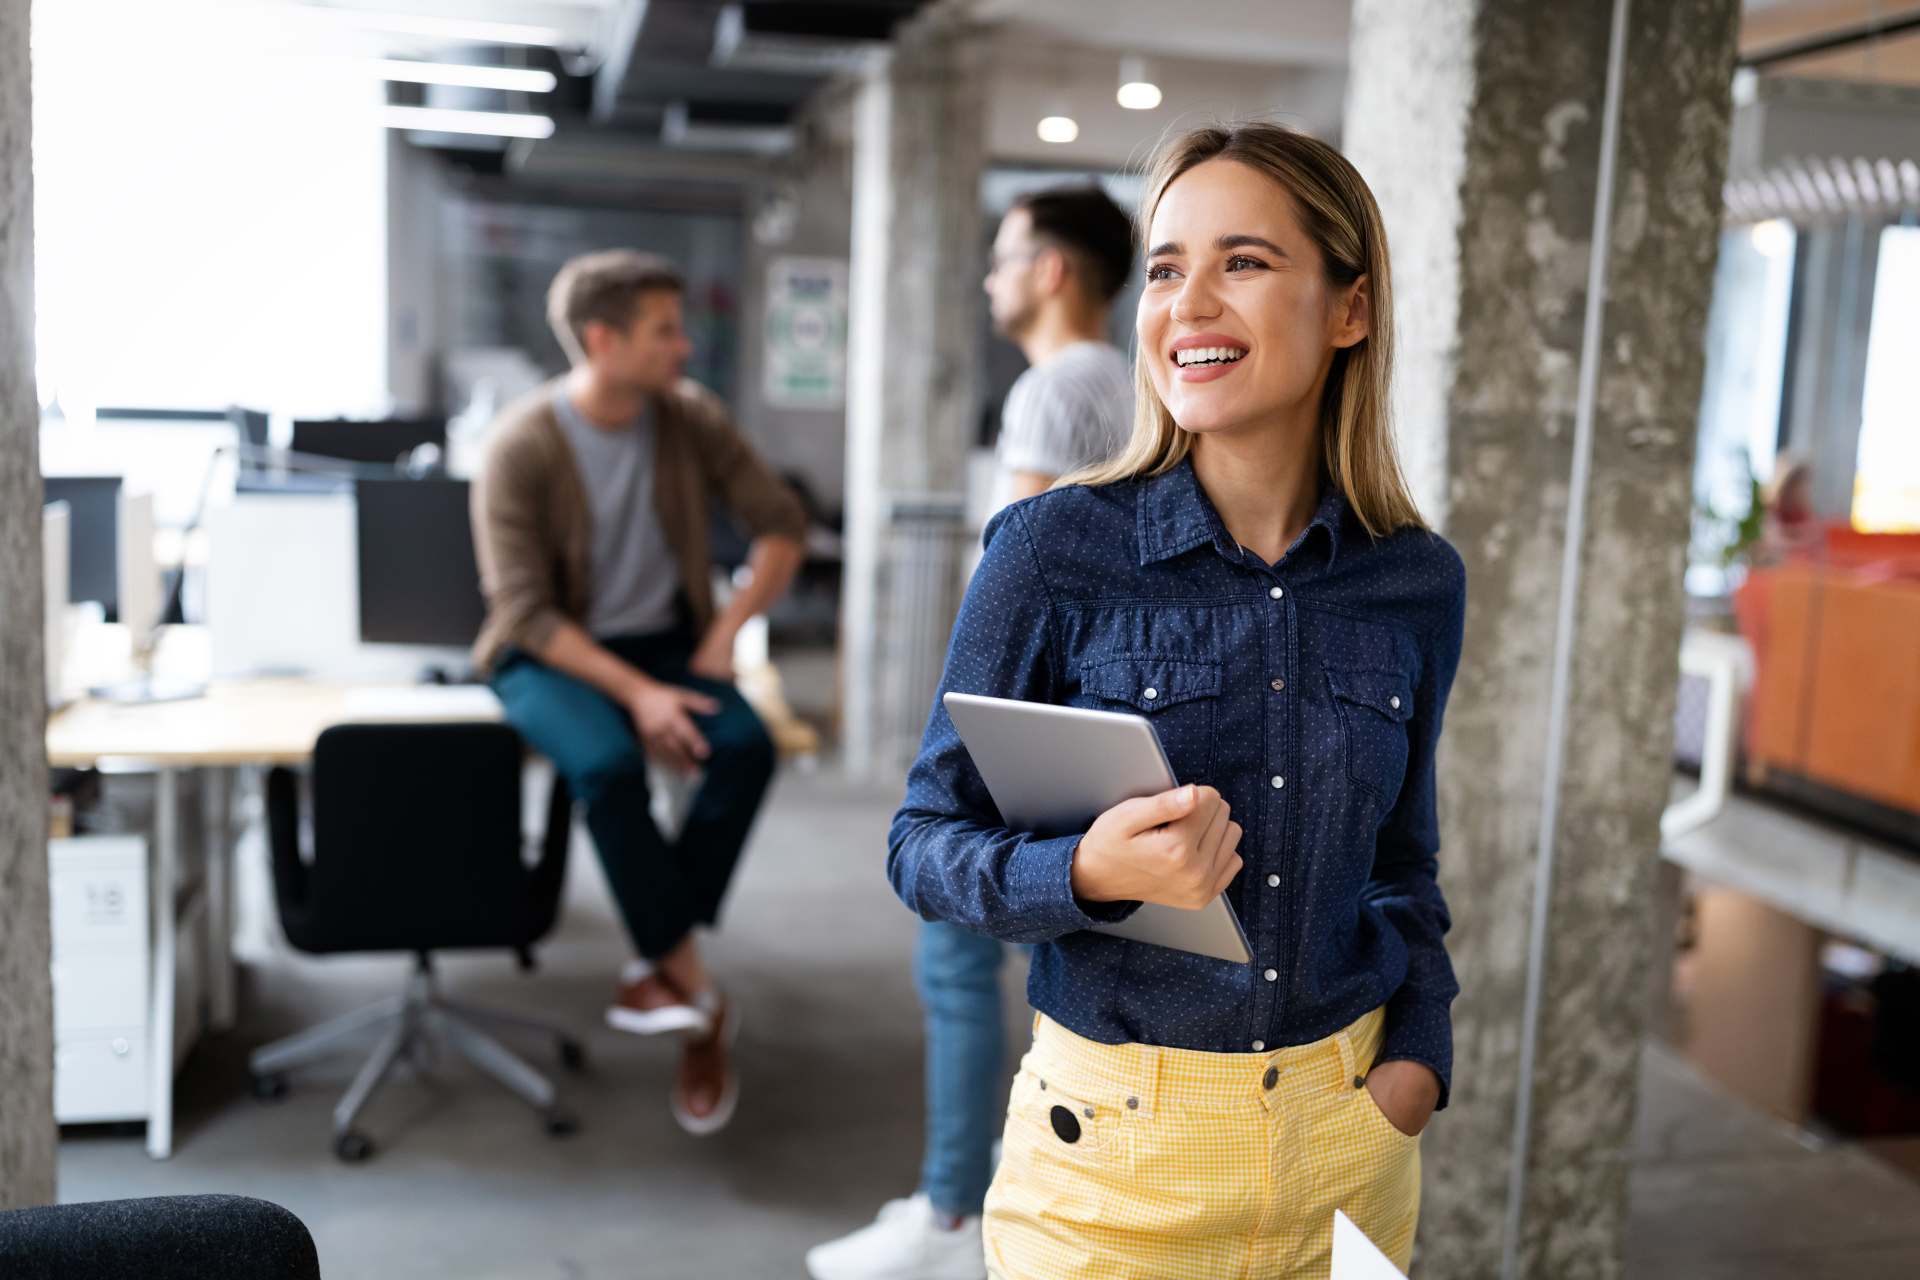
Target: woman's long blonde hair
pixel 1339 215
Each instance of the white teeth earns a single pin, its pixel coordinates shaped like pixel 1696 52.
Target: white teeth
pixel 1205 355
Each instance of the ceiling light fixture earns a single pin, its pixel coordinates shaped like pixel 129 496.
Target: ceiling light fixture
pixel 456 30
pixel 1058 129
pixel 1137 92
pixel 498 124
pixel 506 79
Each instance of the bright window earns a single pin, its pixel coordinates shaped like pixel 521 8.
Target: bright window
pixel 209 212
pixel 1886 483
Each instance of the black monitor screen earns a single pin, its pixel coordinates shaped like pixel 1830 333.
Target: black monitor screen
pixel 375 443
pixel 419 583
pixel 93 535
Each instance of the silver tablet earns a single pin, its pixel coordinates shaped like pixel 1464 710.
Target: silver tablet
pixel 1053 770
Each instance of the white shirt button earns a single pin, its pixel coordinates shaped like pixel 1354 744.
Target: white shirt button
pixel 1394 702
pixel 1273 882
pixel 1279 686
pixel 1152 693
pixel 1275 592
pixel 1259 1046
pixel 1278 782
pixel 1273 975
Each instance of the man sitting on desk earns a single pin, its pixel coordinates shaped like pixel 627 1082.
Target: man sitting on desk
pixel 602 640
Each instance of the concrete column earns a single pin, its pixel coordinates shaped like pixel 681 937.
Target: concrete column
pixel 1551 178
pixel 27 1134
pixel 913 362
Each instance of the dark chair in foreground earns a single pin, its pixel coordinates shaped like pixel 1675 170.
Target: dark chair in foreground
pixel 416 847
pixel 163 1238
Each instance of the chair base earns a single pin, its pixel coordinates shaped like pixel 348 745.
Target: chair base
pixel 414 1025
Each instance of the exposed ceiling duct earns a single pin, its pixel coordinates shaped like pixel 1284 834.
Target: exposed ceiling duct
pixel 1811 150
pixel 755 36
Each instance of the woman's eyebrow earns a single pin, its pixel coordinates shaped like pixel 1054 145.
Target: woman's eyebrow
pixel 1249 242
pixel 1170 247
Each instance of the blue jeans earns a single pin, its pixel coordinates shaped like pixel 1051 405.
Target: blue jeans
pixel 958 974
pixel 663 889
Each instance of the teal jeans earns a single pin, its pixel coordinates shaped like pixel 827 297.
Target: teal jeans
pixel 663 888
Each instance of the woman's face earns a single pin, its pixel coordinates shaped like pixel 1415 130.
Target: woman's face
pixel 1230 273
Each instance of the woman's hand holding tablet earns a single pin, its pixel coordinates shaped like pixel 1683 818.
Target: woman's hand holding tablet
pixel 1180 848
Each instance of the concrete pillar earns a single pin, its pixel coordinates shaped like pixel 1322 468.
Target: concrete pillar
pixel 1551 179
pixel 27 1134
pixel 913 366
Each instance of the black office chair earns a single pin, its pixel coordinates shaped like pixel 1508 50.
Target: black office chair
pixel 161 1238
pixel 417 846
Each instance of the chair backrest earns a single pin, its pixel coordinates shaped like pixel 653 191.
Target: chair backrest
pixel 417 842
pixel 161 1238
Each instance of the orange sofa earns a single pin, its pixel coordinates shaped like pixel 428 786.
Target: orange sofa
pixel 1836 640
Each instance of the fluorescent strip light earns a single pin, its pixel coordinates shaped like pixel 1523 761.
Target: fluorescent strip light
pixel 461 30
pixel 506 79
pixel 498 124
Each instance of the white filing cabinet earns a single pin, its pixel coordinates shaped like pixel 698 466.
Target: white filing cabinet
pixel 100 976
pixel 103 975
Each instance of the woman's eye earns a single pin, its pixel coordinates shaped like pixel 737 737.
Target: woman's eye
pixel 1159 271
pixel 1240 262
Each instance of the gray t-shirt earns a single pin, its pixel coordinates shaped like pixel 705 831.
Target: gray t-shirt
pixel 634 577
pixel 1065 413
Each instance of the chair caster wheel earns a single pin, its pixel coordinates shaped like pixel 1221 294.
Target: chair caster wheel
pixel 573 1054
pixel 561 1124
pixel 270 1087
pixel 352 1146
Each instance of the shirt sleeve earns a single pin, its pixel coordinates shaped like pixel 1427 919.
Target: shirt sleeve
pixel 949 854
pixel 507 511
pixel 1045 428
pixel 1405 882
pixel 751 490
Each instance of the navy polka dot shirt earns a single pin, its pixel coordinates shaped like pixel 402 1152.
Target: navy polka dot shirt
pixel 1309 692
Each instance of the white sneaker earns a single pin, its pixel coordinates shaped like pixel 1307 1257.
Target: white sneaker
pixel 903 1243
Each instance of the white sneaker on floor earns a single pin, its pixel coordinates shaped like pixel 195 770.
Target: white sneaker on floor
pixel 903 1243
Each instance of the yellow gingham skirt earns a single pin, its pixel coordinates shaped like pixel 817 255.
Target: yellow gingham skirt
pixel 1136 1161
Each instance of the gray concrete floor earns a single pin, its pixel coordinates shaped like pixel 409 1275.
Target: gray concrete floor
pixel 817 950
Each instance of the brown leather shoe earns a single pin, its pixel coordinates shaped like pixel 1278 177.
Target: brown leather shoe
pixel 706 1089
pixel 652 1006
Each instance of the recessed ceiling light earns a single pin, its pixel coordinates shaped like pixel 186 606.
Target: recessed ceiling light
pixel 499 124
pixel 507 79
pixel 1058 129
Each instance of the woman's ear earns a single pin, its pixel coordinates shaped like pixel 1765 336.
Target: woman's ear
pixel 1353 315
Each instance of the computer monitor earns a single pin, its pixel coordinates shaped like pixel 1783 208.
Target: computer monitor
pixel 419 583
pixel 375 443
pixel 93 529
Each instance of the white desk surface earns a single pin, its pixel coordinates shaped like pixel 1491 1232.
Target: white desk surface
pixel 237 722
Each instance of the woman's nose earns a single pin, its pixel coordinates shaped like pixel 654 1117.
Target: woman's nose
pixel 1195 301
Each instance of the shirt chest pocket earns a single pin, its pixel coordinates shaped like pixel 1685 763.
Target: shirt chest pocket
pixel 1179 697
pixel 1374 707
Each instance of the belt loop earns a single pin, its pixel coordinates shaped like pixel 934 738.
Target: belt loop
pixel 1144 1087
pixel 1349 1056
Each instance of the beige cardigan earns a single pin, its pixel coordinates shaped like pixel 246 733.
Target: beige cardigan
pixel 532 531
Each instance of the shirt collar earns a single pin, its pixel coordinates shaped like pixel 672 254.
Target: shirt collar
pixel 1175 515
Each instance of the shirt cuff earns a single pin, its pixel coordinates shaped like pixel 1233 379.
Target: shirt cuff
pixel 1040 880
pixel 1420 1031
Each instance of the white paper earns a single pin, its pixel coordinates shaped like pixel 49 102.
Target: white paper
pixel 1355 1257
pixel 430 702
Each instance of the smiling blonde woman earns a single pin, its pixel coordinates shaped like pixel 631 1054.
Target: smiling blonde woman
pixel 1251 575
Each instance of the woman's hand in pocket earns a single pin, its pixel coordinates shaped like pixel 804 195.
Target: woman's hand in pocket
pixel 1179 848
pixel 1406 1093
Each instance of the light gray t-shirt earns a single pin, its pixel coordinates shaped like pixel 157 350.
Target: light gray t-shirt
pixel 1065 413
pixel 634 577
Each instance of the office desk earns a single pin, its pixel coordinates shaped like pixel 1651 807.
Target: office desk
pixel 240 723
pixel 251 724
